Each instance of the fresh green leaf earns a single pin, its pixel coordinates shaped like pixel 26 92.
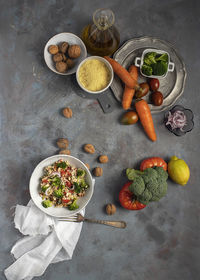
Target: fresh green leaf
pixel 77 187
pixel 62 165
pixel 80 172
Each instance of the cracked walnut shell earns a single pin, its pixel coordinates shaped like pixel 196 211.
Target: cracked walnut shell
pixel 58 57
pixel 89 148
pixel 110 209
pixel 98 171
pixel 74 51
pixel 62 143
pixel 65 152
pixel 67 112
pixel 61 66
pixel 103 159
pixel 88 166
pixel 53 49
pixel 63 47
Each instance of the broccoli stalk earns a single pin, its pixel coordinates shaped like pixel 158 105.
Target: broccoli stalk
pixel 148 185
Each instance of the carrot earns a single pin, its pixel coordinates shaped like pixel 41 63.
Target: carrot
pixel 145 117
pixel 122 73
pixel 129 92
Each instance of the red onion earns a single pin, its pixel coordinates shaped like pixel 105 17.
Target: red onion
pixel 176 120
pixel 56 173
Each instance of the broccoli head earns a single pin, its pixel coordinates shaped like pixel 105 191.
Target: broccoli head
pixel 46 203
pixel 81 172
pixel 73 206
pixel 148 185
pixel 58 193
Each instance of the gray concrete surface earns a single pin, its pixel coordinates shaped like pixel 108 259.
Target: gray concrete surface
pixel 160 242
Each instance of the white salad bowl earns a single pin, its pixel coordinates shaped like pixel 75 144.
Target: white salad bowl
pixel 34 186
pixel 71 39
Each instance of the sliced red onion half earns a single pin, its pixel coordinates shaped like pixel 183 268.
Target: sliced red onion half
pixel 176 119
pixel 56 173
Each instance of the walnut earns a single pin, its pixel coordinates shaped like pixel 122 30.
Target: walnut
pixel 61 66
pixel 53 49
pixel 110 209
pixel 89 148
pixel 70 63
pixel 62 143
pixel 103 159
pixel 65 152
pixel 58 57
pixel 98 171
pixel 67 112
pixel 64 57
pixel 74 51
pixel 63 47
pixel 88 166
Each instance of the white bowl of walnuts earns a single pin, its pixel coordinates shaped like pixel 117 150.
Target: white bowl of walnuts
pixel 64 52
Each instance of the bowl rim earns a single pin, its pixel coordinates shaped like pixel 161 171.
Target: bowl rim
pixel 107 64
pixel 46 50
pixel 56 158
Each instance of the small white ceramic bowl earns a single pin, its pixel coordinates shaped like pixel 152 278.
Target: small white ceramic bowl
pixel 72 40
pixel 139 62
pixel 34 186
pixel 108 66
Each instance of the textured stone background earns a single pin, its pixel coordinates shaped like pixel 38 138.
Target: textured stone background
pixel 162 241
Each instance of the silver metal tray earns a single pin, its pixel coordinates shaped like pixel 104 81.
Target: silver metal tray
pixel 171 86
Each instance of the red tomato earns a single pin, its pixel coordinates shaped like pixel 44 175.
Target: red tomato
pixel 65 200
pixel 130 117
pixel 62 172
pixel 128 200
pixel 154 84
pixel 68 184
pixel 151 162
pixel 157 98
pixel 44 181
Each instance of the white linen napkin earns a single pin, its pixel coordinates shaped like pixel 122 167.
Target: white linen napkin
pixel 47 241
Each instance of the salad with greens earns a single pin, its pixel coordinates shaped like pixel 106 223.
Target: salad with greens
pixel 62 184
pixel 155 64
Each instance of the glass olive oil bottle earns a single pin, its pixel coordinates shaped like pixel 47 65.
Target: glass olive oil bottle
pixel 101 37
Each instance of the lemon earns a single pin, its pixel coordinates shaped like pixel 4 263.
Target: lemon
pixel 178 171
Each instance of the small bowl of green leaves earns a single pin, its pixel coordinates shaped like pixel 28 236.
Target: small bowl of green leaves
pixel 154 63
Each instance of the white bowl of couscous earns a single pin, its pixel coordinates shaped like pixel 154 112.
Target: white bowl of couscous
pixel 37 178
pixel 94 74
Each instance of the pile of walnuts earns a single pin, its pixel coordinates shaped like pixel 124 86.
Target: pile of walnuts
pixel 90 149
pixel 64 55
